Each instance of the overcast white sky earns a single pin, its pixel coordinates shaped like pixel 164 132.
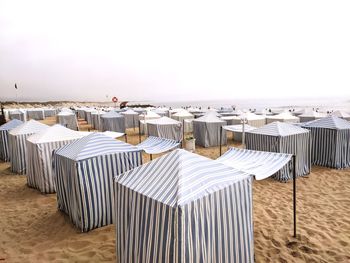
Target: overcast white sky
pixel 178 50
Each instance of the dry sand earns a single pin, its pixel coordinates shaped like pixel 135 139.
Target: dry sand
pixel 33 230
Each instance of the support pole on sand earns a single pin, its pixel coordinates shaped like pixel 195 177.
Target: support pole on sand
pixel 294 198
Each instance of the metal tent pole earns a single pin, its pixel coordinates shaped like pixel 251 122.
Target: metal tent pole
pixel 220 138
pixel 294 198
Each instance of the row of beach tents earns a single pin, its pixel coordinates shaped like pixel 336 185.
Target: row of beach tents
pixel 99 180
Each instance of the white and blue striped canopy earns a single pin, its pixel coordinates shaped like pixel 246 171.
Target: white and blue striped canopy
pixel 180 177
pixel 279 129
pixel 258 163
pixel 92 145
pixel 28 127
pixel 157 145
pixel 10 125
pixel 238 128
pixel 330 122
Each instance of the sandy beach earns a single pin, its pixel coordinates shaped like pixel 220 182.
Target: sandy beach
pixel 33 230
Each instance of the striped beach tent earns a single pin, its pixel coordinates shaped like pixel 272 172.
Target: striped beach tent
pixel 68 119
pixel 96 119
pixel 17 114
pixel 84 172
pixel 282 117
pixel 182 115
pixel 39 155
pixel 113 121
pixel 4 129
pixel 283 138
pixel 17 144
pixel 143 118
pixel 330 138
pixel 183 207
pixel 163 112
pixel 131 118
pixel 207 129
pixel 165 127
pixel 35 114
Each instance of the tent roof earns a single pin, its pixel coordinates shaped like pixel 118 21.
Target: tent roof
pixel 183 113
pixel 279 129
pixel 163 120
pixel 94 144
pixel 112 114
pixel 55 133
pixel 180 177
pixel 330 122
pixel 130 112
pixel 284 116
pixel 313 114
pixel 209 117
pixel 150 114
pixel 10 125
pixel 29 127
pixel 341 114
pixel 238 128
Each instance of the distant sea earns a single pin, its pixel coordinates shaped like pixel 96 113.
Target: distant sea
pixel 258 104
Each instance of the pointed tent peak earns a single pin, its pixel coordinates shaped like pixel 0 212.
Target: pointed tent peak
pixel 55 133
pixel 112 114
pixel 277 128
pixel 211 117
pixel 312 113
pixel 130 111
pixel 183 113
pixel 10 125
pixel 163 120
pixel 92 145
pixel 284 115
pixel 330 122
pixel 340 114
pixel 249 116
pixel 180 177
pixel 149 114
pixel 29 127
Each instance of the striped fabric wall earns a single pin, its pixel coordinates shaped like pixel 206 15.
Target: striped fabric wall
pixel 96 121
pixel 330 147
pixel 215 228
pixel 298 144
pixel 85 189
pixel 17 115
pixel 4 147
pixel 131 120
pixel 49 112
pixel 113 124
pixel 208 134
pixel 167 131
pixel 81 114
pixel 35 114
pixel 17 152
pixel 69 121
pixel 39 165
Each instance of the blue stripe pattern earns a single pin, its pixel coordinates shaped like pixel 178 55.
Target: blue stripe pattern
pixel 156 145
pixel 4 129
pixel 183 207
pixel 84 172
pixel 258 163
